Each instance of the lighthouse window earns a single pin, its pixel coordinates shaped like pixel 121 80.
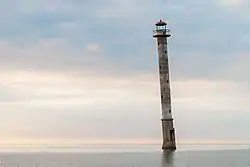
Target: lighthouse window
pixel 169 111
pixel 172 135
pixel 158 43
pixel 167 81
pixel 161 96
pixel 165 51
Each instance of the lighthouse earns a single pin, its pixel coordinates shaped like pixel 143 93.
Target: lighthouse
pixel 162 33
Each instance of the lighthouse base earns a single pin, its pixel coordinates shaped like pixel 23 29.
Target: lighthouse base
pixel 168 135
pixel 168 146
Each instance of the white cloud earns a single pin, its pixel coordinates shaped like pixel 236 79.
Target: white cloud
pixel 51 87
pixel 100 103
pixel 49 54
pixel 93 47
pixel 84 97
pixel 233 4
pixel 238 68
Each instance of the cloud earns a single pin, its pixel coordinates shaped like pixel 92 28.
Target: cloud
pixel 102 105
pixel 196 42
pixel 88 102
pixel 233 4
pixel 56 54
pixel 93 47
pixel 92 66
pixel 237 68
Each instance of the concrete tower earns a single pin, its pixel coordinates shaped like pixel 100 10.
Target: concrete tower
pixel 161 33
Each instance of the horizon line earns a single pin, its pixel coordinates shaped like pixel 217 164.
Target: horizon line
pixel 118 144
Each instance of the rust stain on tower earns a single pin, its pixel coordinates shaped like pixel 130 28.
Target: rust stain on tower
pixel 162 33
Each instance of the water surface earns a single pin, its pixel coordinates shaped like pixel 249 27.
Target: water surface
pixel 141 158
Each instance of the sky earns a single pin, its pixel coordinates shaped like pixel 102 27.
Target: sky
pixel 86 71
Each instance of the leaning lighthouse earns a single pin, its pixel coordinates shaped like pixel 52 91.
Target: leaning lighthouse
pixel 162 33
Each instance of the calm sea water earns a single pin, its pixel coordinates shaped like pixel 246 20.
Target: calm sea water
pixel 198 158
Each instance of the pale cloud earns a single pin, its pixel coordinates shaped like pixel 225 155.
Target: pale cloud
pixel 87 100
pixel 57 54
pixel 47 54
pixel 213 95
pixel 93 47
pixel 233 4
pixel 78 72
pixel 238 68
pixel 100 104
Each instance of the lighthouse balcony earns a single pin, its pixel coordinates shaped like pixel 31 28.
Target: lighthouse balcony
pixel 162 33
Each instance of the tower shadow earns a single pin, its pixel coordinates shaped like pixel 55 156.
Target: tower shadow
pixel 168 159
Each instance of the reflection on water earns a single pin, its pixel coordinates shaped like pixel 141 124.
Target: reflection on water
pixel 222 158
pixel 168 159
pixel 229 158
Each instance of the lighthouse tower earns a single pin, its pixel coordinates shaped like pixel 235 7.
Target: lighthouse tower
pixel 162 33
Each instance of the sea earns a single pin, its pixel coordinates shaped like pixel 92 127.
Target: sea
pixel 125 156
